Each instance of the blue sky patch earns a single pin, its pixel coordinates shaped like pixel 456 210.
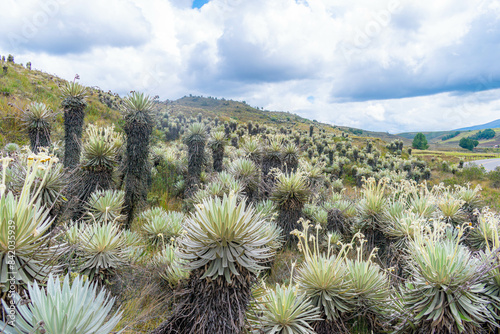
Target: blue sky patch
pixel 199 3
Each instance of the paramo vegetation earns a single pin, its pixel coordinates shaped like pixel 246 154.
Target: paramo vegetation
pixel 158 221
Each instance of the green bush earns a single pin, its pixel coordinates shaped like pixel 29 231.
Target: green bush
pixel 494 177
pixel 472 173
pixel 451 135
pixel 468 143
pixel 485 134
pixel 420 142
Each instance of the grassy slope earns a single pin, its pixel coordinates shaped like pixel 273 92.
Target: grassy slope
pixel 488 142
pixel 436 142
pixel 21 86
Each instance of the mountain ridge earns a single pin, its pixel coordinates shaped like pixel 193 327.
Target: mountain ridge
pixel 489 125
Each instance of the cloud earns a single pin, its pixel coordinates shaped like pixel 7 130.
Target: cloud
pixel 60 27
pixel 262 46
pixel 437 112
pixel 452 53
pixel 376 112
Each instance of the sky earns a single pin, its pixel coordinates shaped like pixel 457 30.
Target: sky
pixel 380 65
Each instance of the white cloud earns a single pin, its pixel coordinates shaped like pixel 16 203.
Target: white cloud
pixel 62 26
pixel 376 112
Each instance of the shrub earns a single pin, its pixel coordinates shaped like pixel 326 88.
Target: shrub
pixel 246 172
pixel 445 293
pixel 290 194
pixel 370 288
pixel 34 255
pixel 105 206
pixel 160 226
pixel 491 258
pixel 195 139
pixel 472 173
pixel 64 307
pixel 284 310
pixel 102 248
pixel 11 148
pixel 173 270
pixel 37 119
pixel 225 246
pixel 51 183
pixel 216 144
pixel 451 135
pixel 468 143
pixel 494 177
pixel 372 204
pixel 485 134
pixel 324 279
pixel 420 142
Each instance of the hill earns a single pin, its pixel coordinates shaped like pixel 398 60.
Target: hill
pixel 436 141
pixel 227 110
pixel 490 125
pixel 429 135
pixel 21 85
pixel 436 136
pixel 484 143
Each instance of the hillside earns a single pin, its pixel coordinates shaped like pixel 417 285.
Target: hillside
pixel 20 86
pixel 436 141
pixel 488 143
pixel 430 135
pixel 435 137
pixel 191 106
